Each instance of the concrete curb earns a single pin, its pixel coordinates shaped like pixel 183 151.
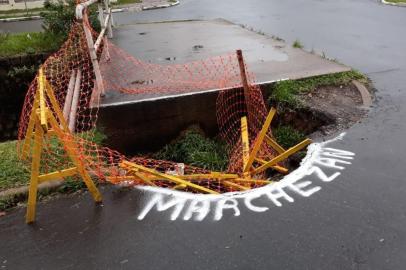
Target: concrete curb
pixel 365 95
pixel 393 4
pixel 10 193
pixel 115 10
pixel 161 6
pixel 16 19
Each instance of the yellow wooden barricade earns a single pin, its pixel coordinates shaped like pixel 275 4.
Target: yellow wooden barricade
pixel 47 120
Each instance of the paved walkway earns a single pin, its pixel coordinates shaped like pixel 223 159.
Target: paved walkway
pixel 187 41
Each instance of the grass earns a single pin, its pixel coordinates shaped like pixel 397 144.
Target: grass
pixel 14 172
pixel 396 1
pixel 28 43
pixel 4 14
pixel 21 10
pixel 297 44
pixel 287 136
pixel 193 148
pixel 126 2
pixel 285 92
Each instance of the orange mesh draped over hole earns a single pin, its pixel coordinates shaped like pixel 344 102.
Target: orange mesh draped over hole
pixel 127 75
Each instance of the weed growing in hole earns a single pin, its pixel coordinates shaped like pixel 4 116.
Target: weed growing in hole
pixel 193 148
pixel 287 136
pixel 297 44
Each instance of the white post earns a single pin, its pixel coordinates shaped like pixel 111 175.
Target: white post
pixel 69 95
pixel 75 102
pixel 95 63
pixel 80 8
pixel 110 22
pixel 101 14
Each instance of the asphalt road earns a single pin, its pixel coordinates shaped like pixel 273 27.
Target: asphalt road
pixel 357 221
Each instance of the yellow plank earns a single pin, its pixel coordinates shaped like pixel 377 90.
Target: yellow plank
pixel 275 167
pixel 234 185
pixel 71 149
pixel 245 142
pixel 283 156
pixel 58 175
pixel 167 177
pixel 271 142
pixel 254 181
pixel 56 107
pixel 144 179
pixel 30 128
pixel 180 186
pixel 42 101
pixel 116 179
pixel 212 175
pixel 260 138
pixel 35 167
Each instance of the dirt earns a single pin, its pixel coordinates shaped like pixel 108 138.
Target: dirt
pixel 341 106
pixel 324 111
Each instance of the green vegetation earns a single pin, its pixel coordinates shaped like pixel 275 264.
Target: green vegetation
pixel 14 172
pixel 28 43
pixel 193 148
pixel 285 92
pixel 19 11
pixel 126 2
pixel 13 13
pixel 297 44
pixel 287 136
pixel 396 1
pixel 59 16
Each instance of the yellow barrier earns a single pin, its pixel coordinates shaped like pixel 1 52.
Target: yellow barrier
pixel 43 123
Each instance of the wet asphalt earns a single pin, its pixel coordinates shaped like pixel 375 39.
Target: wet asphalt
pixel 358 221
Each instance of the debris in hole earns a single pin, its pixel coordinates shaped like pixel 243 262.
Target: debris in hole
pixel 143 82
pixel 197 47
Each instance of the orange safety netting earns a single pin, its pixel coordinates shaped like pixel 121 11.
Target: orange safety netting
pixel 124 74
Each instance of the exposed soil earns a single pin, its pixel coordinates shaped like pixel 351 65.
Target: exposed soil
pixel 324 111
pixel 342 104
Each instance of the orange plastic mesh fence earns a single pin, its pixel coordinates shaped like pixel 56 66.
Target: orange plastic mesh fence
pixel 124 74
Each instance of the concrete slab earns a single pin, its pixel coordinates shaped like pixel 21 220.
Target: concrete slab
pixel 179 42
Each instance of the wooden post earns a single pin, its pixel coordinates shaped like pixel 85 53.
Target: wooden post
pixel 101 14
pixel 109 29
pixel 69 95
pixel 244 81
pixel 60 129
pixel 245 143
pixel 35 171
pixel 259 139
pixel 75 102
pixel 93 57
pixel 102 32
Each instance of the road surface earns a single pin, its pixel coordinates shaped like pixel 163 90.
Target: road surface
pixel 356 221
